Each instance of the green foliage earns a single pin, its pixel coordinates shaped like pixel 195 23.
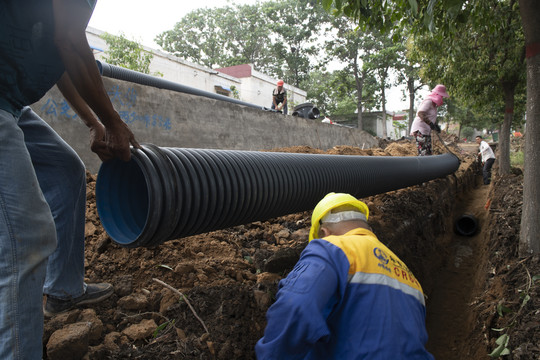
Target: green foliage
pixel 127 53
pixel 295 26
pixel 482 62
pixel 333 93
pixel 467 132
pixel 502 310
pixel 517 158
pixel 163 328
pixel 278 38
pixel 386 15
pixel 502 348
pixel 475 47
pixel 503 340
pixel 235 92
pixel 368 57
pixel 199 36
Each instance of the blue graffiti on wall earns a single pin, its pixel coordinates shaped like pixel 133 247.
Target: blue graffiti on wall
pixel 147 120
pixel 61 108
pixel 122 100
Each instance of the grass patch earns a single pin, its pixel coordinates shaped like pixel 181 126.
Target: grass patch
pixel 516 158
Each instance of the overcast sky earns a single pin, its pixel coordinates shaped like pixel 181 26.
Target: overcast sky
pixel 142 20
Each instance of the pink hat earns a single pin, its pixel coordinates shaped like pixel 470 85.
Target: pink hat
pixel 436 98
pixel 440 90
pixel 280 83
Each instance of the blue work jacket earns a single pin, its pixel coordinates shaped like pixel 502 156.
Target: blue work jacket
pixel 348 297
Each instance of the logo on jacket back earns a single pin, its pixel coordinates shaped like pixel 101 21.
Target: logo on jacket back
pixel 383 258
pixel 397 269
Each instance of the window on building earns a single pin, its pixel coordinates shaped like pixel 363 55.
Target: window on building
pixel 222 90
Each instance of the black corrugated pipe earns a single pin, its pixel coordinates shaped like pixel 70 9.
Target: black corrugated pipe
pixel 120 73
pixel 466 225
pixel 306 110
pixel 168 193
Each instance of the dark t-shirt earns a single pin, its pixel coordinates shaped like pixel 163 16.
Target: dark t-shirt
pixel 279 95
pixel 30 64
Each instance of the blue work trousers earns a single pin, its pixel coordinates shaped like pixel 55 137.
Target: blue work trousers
pixel 42 218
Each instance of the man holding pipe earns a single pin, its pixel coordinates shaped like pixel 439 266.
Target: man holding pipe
pixel 42 180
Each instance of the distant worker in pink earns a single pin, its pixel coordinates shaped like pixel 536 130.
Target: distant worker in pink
pixel 426 118
pixel 279 98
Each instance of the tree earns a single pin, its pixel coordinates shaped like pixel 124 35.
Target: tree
pixel 295 28
pixel 127 53
pixel 353 48
pixel 410 74
pixel 386 56
pixel 242 34
pixel 446 17
pixel 485 66
pixel 530 220
pixel 198 37
pixel 246 37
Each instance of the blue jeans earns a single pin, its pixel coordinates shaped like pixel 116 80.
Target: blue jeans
pixel 42 218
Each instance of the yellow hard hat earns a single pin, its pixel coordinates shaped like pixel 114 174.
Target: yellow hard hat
pixel 329 202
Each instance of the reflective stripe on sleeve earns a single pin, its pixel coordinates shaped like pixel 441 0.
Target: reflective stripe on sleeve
pixel 380 279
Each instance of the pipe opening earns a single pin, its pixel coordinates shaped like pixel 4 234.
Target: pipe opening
pixel 122 214
pixel 466 225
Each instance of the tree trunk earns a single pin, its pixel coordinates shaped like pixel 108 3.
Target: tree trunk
pixel 410 86
pixel 359 87
pixel 383 99
pixel 529 242
pixel 504 134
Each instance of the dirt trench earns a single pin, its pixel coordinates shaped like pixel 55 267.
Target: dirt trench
pixel 450 321
pixel 230 276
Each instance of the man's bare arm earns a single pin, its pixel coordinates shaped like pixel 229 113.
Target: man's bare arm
pixel 97 130
pixel 71 18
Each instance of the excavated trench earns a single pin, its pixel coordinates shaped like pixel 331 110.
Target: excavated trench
pixel 437 228
pixel 450 319
pixel 449 265
pixel 229 275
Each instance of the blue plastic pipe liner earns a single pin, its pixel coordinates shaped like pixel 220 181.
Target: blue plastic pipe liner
pixel 165 193
pixel 120 73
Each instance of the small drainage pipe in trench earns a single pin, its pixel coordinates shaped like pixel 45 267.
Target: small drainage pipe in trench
pixel 466 225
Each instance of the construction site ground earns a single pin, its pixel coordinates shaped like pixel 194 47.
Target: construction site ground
pixel 477 287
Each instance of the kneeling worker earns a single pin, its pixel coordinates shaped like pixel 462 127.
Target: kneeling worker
pixel 348 297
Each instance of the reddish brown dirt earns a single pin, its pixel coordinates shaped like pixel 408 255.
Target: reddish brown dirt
pixel 230 276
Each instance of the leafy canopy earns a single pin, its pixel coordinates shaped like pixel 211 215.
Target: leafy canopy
pixel 127 53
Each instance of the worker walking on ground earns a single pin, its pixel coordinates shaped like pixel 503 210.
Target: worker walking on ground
pixel 348 297
pixel 488 158
pixel 426 119
pixel 42 180
pixel 279 98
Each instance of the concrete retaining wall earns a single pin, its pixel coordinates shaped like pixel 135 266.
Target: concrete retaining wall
pixel 172 119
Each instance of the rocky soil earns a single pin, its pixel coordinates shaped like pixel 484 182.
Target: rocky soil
pixel 205 296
